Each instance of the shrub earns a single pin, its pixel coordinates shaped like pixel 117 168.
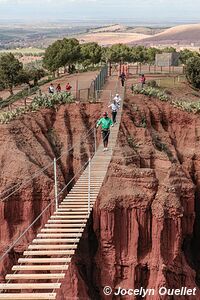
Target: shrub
pixel 152 83
pixel 151 92
pixel 38 102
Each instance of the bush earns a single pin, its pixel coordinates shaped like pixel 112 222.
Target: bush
pixel 38 102
pixel 151 92
pixel 193 72
pixel 152 83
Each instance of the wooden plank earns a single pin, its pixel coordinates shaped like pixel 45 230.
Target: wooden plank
pixel 44 241
pixel 67 221
pixel 68 230
pixel 26 286
pixel 35 276
pixel 69 217
pixel 28 296
pixel 78 209
pixel 44 260
pixel 59 235
pixel 76 213
pixel 58 225
pixel 31 247
pixel 40 268
pixel 49 252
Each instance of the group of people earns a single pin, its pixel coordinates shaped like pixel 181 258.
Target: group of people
pixel 58 88
pixel 106 122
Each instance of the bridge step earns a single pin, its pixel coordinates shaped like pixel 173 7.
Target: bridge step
pixel 62 230
pixel 56 235
pixel 44 260
pixel 26 286
pixel 34 276
pixel 28 296
pixel 48 252
pixel 31 247
pixel 65 225
pixel 40 268
pixel 44 241
pixel 67 221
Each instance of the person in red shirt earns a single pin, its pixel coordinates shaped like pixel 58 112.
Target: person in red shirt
pixel 68 87
pixel 142 80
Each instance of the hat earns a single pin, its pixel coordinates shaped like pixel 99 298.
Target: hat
pixel 105 114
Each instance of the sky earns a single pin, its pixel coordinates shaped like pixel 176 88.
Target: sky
pixel 149 10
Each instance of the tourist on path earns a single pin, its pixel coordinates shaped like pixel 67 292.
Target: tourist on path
pixel 123 78
pixel 68 87
pixel 51 89
pixel 105 123
pixel 114 107
pixel 142 80
pixel 58 88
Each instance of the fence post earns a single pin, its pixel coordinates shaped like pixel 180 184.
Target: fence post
pixel 89 174
pixel 55 184
pixel 95 140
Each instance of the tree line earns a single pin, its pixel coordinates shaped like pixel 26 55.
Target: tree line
pixel 66 53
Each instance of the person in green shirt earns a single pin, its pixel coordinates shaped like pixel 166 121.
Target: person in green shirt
pixel 105 123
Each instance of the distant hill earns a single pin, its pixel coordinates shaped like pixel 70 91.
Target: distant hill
pixel 182 34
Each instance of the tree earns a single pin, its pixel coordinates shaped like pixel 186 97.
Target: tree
pixel 193 71
pixel 119 53
pixel 10 68
pixel 34 74
pixel 151 54
pixel 186 54
pixel 62 53
pixel 169 50
pixel 91 53
pixel 139 54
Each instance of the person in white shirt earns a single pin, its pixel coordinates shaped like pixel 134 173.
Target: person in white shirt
pixel 114 107
pixel 117 99
pixel 51 89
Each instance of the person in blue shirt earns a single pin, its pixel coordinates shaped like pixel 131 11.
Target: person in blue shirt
pixel 105 123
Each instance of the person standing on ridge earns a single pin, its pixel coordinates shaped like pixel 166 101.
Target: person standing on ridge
pixel 114 106
pixel 51 89
pixel 68 87
pixel 58 88
pixel 142 80
pixel 123 78
pixel 105 123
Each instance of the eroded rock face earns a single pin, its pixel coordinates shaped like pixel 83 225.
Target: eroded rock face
pixel 27 146
pixel 146 219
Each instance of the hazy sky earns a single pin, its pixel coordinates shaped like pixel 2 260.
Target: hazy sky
pixel 154 10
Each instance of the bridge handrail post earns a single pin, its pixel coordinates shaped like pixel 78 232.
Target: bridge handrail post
pixel 89 184
pixel 55 183
pixel 95 140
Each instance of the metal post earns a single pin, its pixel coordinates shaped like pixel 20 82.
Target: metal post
pixel 89 174
pixel 95 140
pixel 55 184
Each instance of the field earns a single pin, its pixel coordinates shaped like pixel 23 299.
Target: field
pixel 24 51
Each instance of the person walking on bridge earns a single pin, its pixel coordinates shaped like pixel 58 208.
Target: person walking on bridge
pixel 114 107
pixel 105 123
